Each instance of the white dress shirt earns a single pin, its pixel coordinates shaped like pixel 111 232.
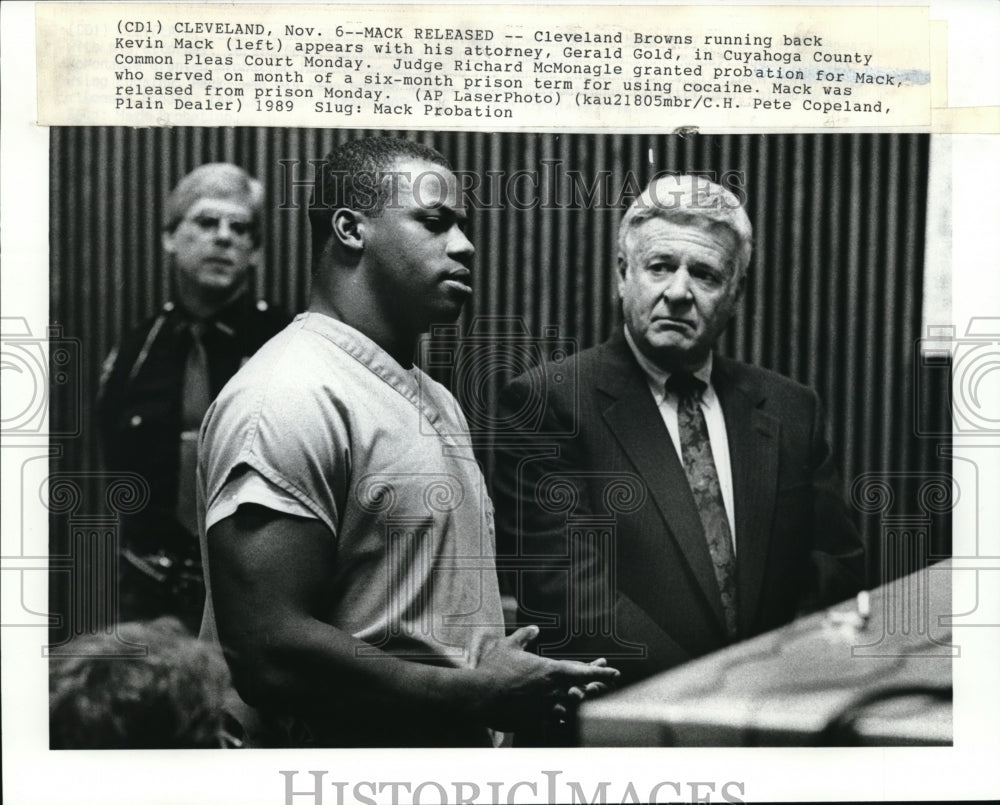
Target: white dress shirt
pixel 714 420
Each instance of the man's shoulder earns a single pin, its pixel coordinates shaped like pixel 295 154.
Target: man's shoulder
pixel 258 319
pixel 249 323
pixel 266 319
pixel 289 353
pixel 759 381
pixel 166 313
pixel 140 338
pixel 291 384
pixel 575 366
pixel 303 365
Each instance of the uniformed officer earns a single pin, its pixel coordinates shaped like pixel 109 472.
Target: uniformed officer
pixel 158 382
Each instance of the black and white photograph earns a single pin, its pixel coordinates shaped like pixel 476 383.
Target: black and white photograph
pixel 520 301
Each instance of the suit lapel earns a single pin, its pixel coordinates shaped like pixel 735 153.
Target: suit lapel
pixel 753 437
pixel 637 425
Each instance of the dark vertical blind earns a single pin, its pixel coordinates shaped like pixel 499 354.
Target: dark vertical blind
pixel 833 297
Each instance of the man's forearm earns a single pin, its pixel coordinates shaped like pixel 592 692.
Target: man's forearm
pixel 308 667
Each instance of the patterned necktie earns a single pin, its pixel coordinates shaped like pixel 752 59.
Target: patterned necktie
pixel 196 396
pixel 699 465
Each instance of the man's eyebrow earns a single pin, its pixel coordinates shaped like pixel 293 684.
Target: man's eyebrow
pixel 662 254
pixel 227 216
pixel 443 207
pixel 214 213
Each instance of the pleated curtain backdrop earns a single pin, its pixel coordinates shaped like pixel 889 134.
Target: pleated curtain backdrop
pixel 833 297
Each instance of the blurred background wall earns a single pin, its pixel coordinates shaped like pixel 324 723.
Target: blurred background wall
pixel 834 297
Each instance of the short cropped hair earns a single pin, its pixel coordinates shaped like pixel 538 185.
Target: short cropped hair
pixel 356 175
pixel 692 200
pixel 172 698
pixel 219 180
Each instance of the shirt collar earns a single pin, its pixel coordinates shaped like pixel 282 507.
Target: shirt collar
pixel 656 376
pixel 363 349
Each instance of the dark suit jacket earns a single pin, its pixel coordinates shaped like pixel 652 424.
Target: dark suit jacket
pixel 595 509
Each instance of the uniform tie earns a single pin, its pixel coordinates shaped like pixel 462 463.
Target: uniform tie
pixel 699 466
pixel 196 396
pixel 197 393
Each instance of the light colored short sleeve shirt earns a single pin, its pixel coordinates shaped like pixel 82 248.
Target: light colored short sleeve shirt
pixel 323 423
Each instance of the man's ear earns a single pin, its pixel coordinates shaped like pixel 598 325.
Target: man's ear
pixel 254 260
pixel 741 286
pixel 622 269
pixel 348 228
pixel 167 240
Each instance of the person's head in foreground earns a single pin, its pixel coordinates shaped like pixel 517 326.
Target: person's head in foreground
pixel 171 698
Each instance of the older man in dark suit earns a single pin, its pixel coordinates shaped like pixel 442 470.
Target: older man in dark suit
pixel 673 501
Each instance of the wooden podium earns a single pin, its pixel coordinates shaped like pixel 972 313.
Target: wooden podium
pixel 829 679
